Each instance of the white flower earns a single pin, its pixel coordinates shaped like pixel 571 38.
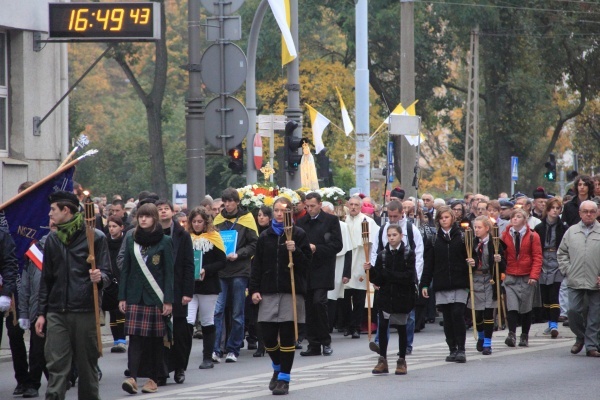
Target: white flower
pixel 203 244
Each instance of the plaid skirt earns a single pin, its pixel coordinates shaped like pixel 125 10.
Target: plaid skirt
pixel 144 320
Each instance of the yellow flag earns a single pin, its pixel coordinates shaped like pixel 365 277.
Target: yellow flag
pixel 411 110
pixel 286 57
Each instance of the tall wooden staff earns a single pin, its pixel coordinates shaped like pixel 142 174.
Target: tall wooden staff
pixel 288 228
pixel 366 247
pixel 496 241
pixel 90 231
pixel 469 247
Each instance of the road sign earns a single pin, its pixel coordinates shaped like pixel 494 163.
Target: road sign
pixel 236 122
pixel 514 168
pixel 234 69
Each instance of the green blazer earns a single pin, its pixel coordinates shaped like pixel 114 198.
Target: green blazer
pixel 134 287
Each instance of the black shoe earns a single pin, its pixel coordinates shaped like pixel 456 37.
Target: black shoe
pixel 310 352
pixel 99 373
pixel 198 334
pixel 299 345
pixel 161 382
pixel 355 335
pixel 252 346
pixel 207 364
pixel 126 373
pixel 30 393
pixel 461 357
pixel 179 376
pixel 347 332
pixel 260 352
pixel 19 390
pixel 511 340
pixel 273 381
pixel 408 351
pixel 480 345
pixel 452 356
pixel 327 350
pixel 282 388
pixel 374 347
pixel 486 351
pixel 524 342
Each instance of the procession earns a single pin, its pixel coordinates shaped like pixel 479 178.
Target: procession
pixel 284 271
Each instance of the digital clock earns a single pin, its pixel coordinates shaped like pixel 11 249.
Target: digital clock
pixel 104 21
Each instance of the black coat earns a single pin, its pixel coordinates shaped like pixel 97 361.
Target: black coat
pixel 570 213
pixel 183 283
pixel 447 262
pixel 542 229
pixel 8 264
pixel 66 285
pixel 396 278
pixel 270 272
pixel 325 233
pixel 212 262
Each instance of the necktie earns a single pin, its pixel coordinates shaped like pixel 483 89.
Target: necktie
pixel 517 243
pixel 394 252
pixel 480 251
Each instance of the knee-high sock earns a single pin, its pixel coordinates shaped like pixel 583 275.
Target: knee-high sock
pixel 402 342
pixel 526 322
pixel 383 337
pixel 513 320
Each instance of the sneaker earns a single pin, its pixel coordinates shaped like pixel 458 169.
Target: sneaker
pixel 547 331
pixel 381 367
pixel 282 388
pixel 231 358
pixel 554 333
pixel 119 348
pixel 130 386
pixel 206 364
pixel 216 357
pixel 511 340
pixel 150 387
pixel 401 367
pixel 374 347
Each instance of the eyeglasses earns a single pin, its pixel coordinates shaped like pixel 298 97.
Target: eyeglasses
pixel 587 211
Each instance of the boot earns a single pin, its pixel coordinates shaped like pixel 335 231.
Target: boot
pixel 511 339
pixel 452 356
pixel 282 388
pixel 461 357
pixel 524 342
pixel 260 351
pixel 401 367
pixel 381 367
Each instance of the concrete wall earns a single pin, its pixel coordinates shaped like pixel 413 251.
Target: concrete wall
pixel 25 14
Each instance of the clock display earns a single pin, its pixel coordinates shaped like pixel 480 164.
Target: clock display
pixel 104 21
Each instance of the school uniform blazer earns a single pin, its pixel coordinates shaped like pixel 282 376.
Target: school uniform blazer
pixel 134 287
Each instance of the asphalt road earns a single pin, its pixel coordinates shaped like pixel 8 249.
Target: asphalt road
pixel 545 370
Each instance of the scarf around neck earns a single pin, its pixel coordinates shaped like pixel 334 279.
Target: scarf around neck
pixel 277 227
pixel 66 231
pixel 147 238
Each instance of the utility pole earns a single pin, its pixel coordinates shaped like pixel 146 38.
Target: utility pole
pixel 293 110
pixel 363 147
pixel 471 173
pixel 407 89
pixel 194 117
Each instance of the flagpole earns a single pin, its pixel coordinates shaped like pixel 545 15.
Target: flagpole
pixel 46 179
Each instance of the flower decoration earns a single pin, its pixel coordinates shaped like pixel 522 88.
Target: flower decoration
pixel 334 195
pixel 252 197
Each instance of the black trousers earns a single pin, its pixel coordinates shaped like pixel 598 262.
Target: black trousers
pixel 354 305
pixel 17 348
pixel 454 325
pixel 37 360
pixel 147 352
pixel 179 353
pixel 317 320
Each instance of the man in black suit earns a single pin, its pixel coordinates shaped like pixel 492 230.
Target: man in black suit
pixel 325 237
pixel 178 356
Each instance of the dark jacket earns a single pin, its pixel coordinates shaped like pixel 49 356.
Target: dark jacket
pixel 325 233
pixel 447 264
pixel 245 248
pixel 183 268
pixel 490 262
pixel 114 245
pixel 570 213
pixel 134 287
pixel 270 271
pixel 8 264
pixel 396 276
pixel 66 284
pixel 213 261
pixel 542 230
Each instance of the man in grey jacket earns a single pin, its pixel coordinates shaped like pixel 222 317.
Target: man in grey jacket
pixel 579 260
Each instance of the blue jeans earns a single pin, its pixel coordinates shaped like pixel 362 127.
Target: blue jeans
pixel 237 286
pixel 410 330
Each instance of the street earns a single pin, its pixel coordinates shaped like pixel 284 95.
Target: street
pixel 545 370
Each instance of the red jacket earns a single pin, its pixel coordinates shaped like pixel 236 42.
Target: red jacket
pixel 530 255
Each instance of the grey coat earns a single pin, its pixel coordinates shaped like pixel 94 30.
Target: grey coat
pixel 579 257
pixel 30 287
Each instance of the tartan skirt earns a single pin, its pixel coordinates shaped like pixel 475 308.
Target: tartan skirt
pixel 142 320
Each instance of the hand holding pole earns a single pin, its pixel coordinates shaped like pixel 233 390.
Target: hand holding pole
pixel 366 247
pixel 288 228
pixel 469 248
pixel 496 241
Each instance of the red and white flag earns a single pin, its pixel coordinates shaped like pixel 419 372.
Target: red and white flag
pixel 35 255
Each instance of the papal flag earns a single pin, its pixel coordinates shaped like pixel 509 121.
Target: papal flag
pixel 318 123
pixel 348 127
pixel 281 12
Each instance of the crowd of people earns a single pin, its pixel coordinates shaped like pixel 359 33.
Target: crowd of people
pixel 167 274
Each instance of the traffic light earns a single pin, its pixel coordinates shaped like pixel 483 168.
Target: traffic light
pixel 550 174
pixel 236 160
pixel 292 144
pixel 324 171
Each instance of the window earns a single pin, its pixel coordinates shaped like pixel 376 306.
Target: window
pixel 3 96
